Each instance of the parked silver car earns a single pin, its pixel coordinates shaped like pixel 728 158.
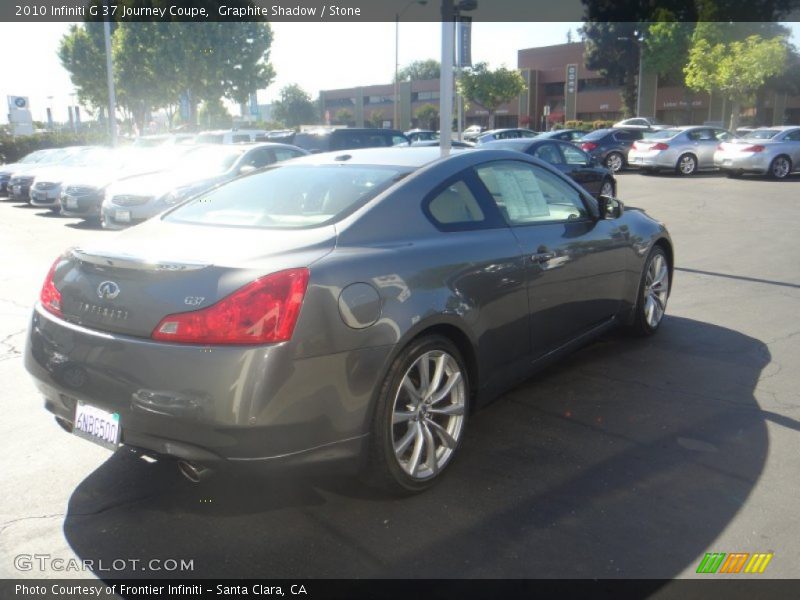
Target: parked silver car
pixel 136 199
pixel 773 151
pixel 45 189
pixel 684 150
pixel 21 179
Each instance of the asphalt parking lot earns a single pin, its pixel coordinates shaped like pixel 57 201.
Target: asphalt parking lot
pixel 630 459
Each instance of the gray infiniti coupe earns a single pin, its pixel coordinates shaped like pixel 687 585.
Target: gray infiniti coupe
pixel 348 308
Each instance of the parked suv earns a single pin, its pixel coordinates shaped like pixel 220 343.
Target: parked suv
pixel 348 138
pixel 610 146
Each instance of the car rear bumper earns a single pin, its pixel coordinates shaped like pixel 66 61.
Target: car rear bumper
pixel 653 160
pixel 209 404
pixel 755 162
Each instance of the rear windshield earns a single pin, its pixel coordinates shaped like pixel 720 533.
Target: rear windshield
pixel 289 197
pixel 763 134
pixel 597 134
pixel 517 145
pixel 662 134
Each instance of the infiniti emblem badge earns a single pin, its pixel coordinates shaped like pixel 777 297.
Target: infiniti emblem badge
pixel 108 290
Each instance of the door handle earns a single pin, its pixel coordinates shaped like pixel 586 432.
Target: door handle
pixel 543 257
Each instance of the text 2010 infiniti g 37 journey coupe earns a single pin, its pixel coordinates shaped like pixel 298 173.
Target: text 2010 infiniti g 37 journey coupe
pixel 352 306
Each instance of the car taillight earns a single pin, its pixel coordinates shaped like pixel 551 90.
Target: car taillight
pixel 262 312
pixel 588 146
pixel 755 148
pixel 660 146
pixel 50 297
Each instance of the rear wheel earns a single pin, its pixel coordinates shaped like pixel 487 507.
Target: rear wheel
pixel 687 164
pixel 780 167
pixel 615 161
pixel 651 300
pixel 420 417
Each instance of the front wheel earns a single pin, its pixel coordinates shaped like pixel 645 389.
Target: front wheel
pixel 651 300
pixel 615 162
pixel 420 417
pixel 780 167
pixel 687 164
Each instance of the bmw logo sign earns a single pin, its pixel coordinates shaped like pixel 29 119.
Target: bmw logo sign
pixel 108 290
pixel 20 102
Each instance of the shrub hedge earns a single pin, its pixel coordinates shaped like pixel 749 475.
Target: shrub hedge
pixel 14 148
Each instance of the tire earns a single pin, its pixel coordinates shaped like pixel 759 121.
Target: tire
pixel 607 188
pixel 780 167
pixel 644 322
pixel 686 165
pixel 614 162
pixel 400 458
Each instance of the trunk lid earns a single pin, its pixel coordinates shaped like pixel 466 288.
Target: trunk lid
pixel 127 284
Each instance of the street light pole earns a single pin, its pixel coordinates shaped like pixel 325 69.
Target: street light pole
pixel 446 79
pixel 397 57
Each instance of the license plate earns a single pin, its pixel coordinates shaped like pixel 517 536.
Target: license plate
pixel 97 425
pixel 123 215
pixel 72 202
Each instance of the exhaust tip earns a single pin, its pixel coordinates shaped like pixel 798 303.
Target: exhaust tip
pixel 194 472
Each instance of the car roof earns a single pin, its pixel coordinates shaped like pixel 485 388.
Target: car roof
pixel 403 156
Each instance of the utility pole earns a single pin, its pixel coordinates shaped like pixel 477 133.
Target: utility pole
pixel 446 78
pixel 112 100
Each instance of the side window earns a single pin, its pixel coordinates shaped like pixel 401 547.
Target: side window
pixel 526 194
pixel 455 205
pixel 573 155
pixel 722 135
pixel 258 158
pixel 240 137
pixel 549 153
pixel 623 136
pixel 399 140
pixel 285 154
pixel 793 136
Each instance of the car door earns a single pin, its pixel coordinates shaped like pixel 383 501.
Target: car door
pixel 705 144
pixel 580 168
pixel 792 142
pixel 575 263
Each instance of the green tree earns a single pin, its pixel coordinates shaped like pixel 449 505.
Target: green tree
pixel 419 70
pixel 214 115
pixel 377 118
pixel 736 69
pixel 613 49
pixel 294 107
pixel 427 115
pixel 490 89
pixel 342 117
pixel 82 53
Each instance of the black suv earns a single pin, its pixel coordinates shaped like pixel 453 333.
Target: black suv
pixel 348 138
pixel 610 146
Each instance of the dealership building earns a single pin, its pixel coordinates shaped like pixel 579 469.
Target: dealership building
pixel 559 87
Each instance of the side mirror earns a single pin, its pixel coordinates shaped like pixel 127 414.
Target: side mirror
pixel 610 208
pixel 244 169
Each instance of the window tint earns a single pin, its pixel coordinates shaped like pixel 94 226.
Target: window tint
pixel 701 135
pixel 240 137
pixel 549 153
pixel 455 204
pixel 793 136
pixel 399 140
pixel 628 136
pixel 258 158
pixel 527 194
pixel 597 134
pixel 573 155
pixel 290 197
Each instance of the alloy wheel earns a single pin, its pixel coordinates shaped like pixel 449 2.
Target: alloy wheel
pixel 781 167
pixel 687 164
pixel 614 161
pixel 656 290
pixel 428 414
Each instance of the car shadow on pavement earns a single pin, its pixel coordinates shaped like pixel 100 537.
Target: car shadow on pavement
pixel 628 459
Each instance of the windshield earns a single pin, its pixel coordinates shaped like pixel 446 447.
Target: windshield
pixel 662 134
pixel 289 197
pixel 86 157
pixel 762 134
pixel 34 157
